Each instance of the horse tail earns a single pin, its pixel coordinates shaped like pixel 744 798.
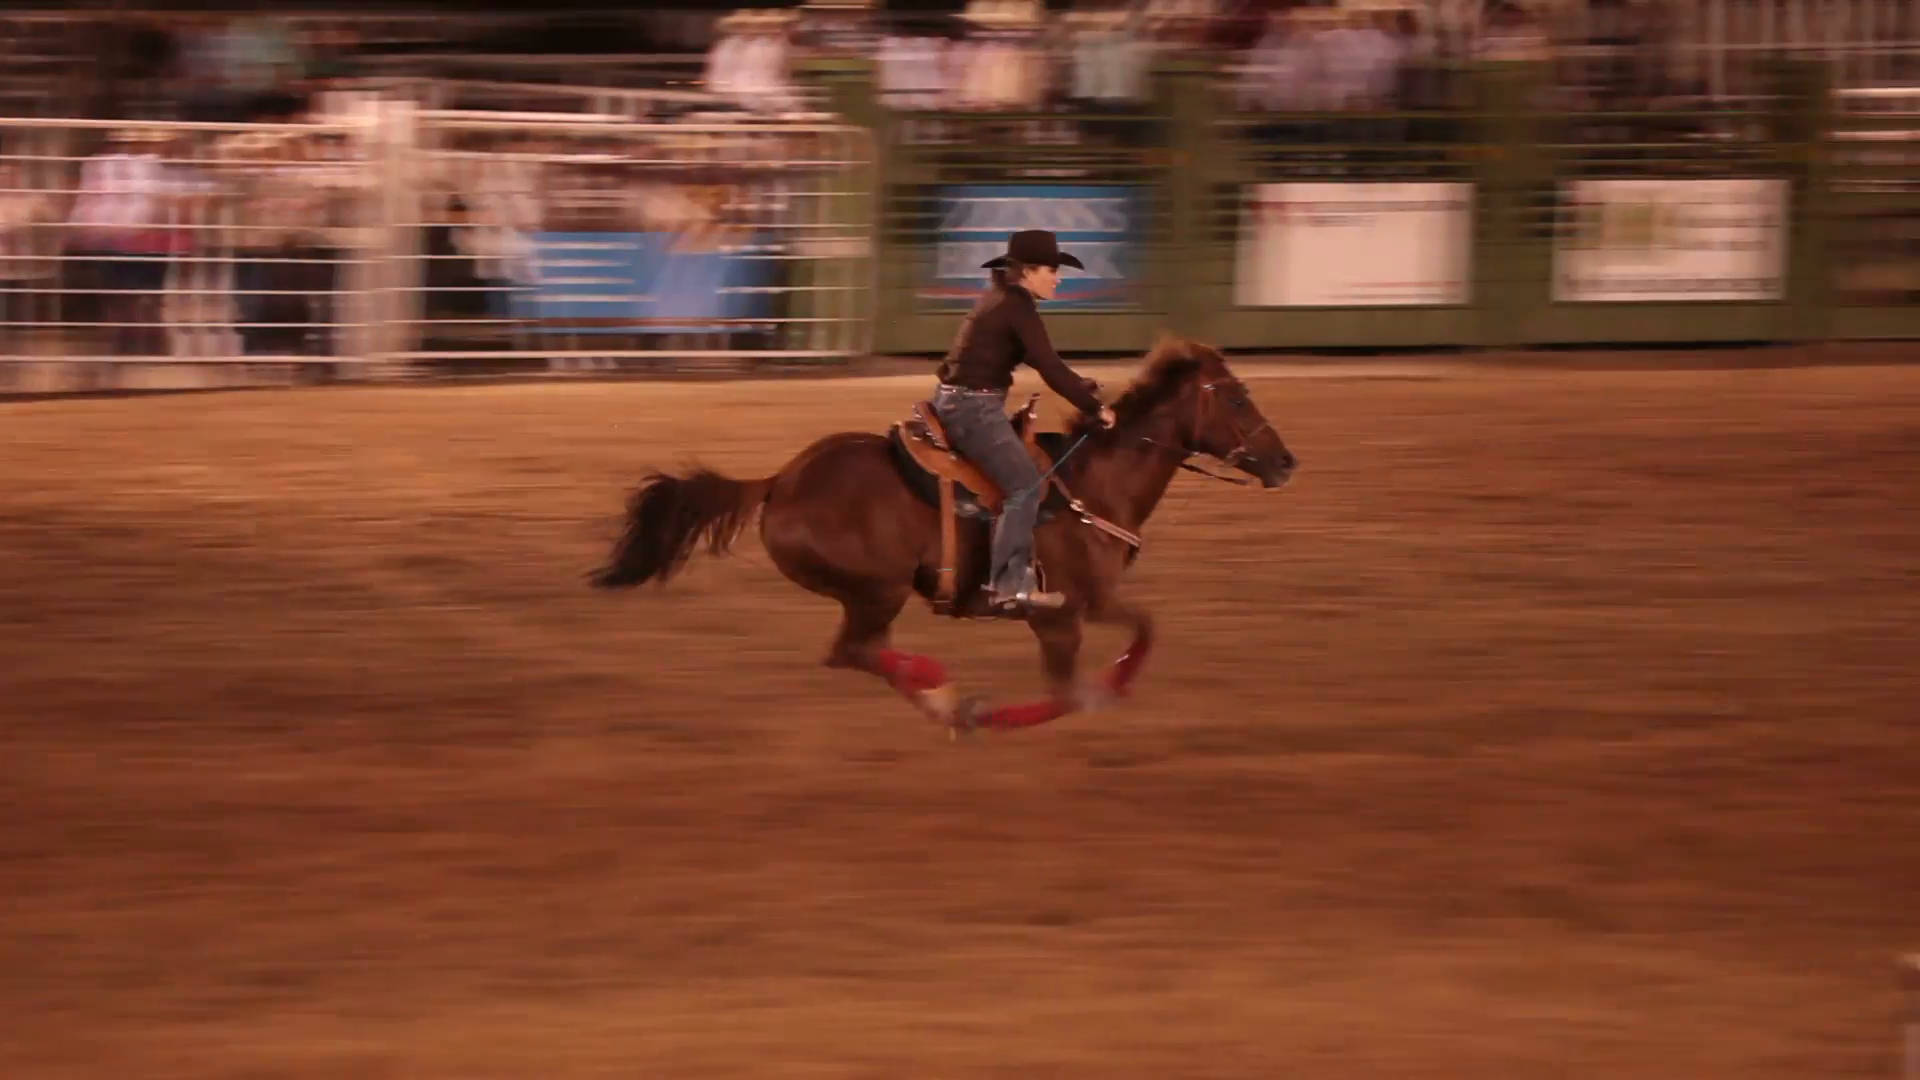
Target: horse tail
pixel 668 516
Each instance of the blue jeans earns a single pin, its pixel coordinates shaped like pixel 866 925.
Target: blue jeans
pixel 976 421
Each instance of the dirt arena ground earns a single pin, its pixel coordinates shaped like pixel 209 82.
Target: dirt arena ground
pixel 1550 725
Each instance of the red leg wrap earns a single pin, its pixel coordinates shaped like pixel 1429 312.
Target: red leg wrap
pixel 910 673
pixel 1125 669
pixel 1028 715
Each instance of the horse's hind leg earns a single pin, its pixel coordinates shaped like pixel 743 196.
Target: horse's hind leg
pixel 863 645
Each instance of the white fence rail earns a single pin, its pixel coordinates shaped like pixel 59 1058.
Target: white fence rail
pixel 410 235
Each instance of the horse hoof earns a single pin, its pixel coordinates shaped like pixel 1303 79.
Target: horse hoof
pixel 1093 696
pixel 939 703
pixel 967 716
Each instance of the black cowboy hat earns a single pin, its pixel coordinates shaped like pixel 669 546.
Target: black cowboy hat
pixel 1034 247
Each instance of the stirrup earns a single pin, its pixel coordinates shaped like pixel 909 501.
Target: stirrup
pixel 1027 600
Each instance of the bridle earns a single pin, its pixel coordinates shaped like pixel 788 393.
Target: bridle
pixel 1238 457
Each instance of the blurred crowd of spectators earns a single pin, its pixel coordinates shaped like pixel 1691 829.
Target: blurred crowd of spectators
pixel 989 55
pixel 190 66
pixel 1281 56
pixel 247 67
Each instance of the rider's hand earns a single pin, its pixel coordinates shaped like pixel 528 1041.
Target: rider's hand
pixel 1107 419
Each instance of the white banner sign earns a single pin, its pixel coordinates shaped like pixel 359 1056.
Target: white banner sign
pixel 1672 240
pixel 1356 245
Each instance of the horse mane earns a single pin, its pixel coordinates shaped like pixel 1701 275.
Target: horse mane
pixel 1170 365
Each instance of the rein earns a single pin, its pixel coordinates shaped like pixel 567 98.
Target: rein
pixel 1086 516
pixel 1062 459
pixel 1242 481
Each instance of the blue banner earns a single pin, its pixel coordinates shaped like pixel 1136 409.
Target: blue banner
pixel 1099 225
pixel 640 284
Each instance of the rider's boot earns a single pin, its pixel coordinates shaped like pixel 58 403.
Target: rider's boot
pixel 1018 592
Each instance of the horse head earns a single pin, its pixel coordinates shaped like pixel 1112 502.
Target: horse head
pixel 1188 393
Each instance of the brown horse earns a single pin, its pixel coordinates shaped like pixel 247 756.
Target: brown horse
pixel 842 519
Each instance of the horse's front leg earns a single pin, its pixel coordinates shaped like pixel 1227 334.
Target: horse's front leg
pixel 1110 609
pixel 1059 636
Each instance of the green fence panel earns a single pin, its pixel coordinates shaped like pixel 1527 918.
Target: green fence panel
pixel 842 302
pixel 955 184
pixel 1507 209
pixel 1669 226
pixel 1327 229
pixel 1871 213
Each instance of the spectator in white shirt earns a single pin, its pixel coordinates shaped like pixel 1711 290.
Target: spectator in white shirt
pixel 749 64
pixel 124 220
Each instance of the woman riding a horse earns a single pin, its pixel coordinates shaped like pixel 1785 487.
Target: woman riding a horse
pixel 1002 332
pixel 844 518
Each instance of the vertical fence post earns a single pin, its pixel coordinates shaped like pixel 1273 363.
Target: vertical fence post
pixel 356 308
pixel 401 301
pixel 861 210
pixel 1181 253
pixel 853 97
pixel 1509 259
pixel 1804 123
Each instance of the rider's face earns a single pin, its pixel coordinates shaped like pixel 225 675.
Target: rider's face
pixel 1041 281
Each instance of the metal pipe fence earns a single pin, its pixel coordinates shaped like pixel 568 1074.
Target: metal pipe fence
pixel 599 240
pixel 416 236
pixel 1494 204
pixel 189 241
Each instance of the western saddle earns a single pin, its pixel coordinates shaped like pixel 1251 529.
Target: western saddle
pixel 963 489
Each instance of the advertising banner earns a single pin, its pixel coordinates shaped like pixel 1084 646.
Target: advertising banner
pixel 1667 240
pixel 1356 245
pixel 1100 225
pixel 634 282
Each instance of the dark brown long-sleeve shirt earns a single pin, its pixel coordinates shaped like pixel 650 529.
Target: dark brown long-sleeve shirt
pixel 1002 332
